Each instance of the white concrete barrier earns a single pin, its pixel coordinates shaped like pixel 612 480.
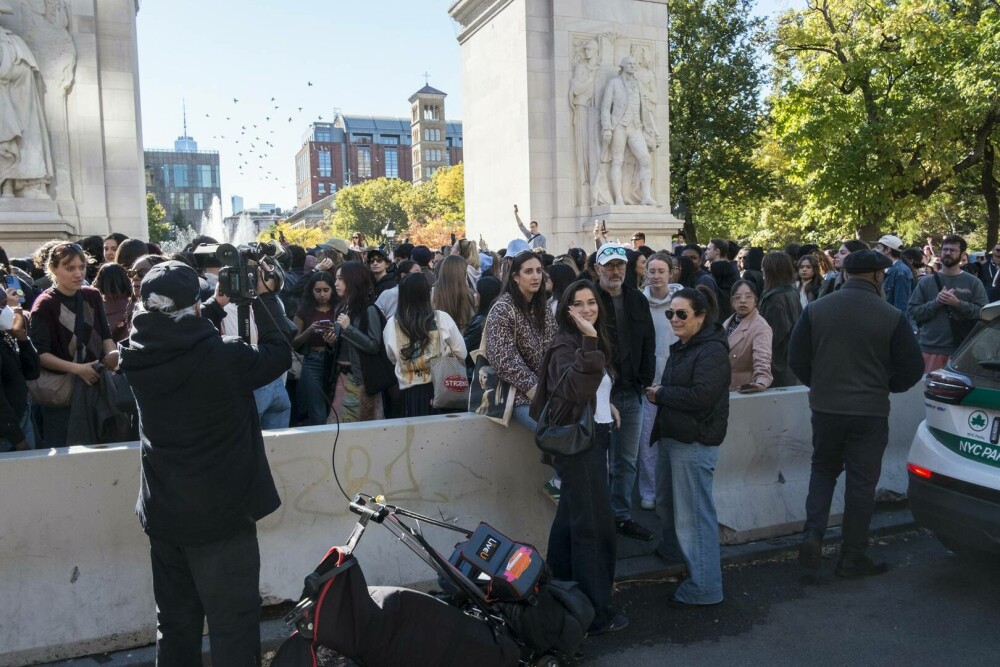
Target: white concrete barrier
pixel 762 477
pixel 75 573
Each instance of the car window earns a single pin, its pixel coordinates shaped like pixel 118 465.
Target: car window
pixel 982 348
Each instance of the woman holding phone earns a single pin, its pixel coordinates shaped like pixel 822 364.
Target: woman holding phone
pixel 315 334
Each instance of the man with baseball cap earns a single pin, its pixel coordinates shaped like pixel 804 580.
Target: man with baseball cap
pixel 633 346
pixel 850 372
pixel 898 279
pixel 205 479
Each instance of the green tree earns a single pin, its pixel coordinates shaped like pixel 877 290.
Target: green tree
pixel 715 110
pixel 878 104
pixel 179 221
pixel 159 231
pixel 368 206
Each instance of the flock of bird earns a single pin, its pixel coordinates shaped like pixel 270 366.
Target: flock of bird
pixel 252 139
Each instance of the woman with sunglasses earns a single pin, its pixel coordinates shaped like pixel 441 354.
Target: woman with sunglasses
pixel 749 341
pixel 577 370
pixel 52 330
pixel 519 329
pixel 693 401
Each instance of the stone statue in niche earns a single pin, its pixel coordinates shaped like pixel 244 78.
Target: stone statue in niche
pixel 25 152
pixel 625 125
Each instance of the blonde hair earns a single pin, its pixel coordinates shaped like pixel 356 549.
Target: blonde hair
pixel 467 250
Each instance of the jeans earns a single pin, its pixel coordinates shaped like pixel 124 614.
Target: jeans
pixel 582 540
pixel 625 451
pixel 273 404
pixel 219 580
pixel 648 453
pixel 312 398
pixel 857 444
pixel 55 426
pixel 521 416
pixel 687 513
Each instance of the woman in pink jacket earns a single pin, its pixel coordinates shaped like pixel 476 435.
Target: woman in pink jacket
pixel 749 341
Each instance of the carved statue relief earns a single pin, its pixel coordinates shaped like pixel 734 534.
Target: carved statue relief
pixel 613 96
pixel 37 71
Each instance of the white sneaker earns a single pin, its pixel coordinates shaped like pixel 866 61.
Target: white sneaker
pixel 648 504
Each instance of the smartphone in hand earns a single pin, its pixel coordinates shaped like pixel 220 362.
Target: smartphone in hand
pixel 11 282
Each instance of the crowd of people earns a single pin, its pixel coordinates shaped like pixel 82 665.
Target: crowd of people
pixel 653 341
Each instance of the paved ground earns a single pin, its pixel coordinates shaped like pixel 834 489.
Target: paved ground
pixel 930 608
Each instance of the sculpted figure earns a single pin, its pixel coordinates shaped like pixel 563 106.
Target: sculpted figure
pixel 25 153
pixel 623 125
pixel 583 101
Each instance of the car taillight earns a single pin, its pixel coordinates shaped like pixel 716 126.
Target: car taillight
pixel 918 471
pixel 947 387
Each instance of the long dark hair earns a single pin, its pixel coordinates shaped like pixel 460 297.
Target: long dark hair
pixel 534 309
pixel 308 301
pixel 488 288
pixel 112 280
pixel 567 325
pixel 414 313
pixel 562 276
pixel 688 272
pixel 817 278
pixel 357 297
pixel 702 299
pixel 778 270
pixel 753 259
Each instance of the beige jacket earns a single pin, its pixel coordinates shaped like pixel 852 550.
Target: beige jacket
pixel 750 351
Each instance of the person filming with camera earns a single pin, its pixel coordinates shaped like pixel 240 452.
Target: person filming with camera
pixel 205 478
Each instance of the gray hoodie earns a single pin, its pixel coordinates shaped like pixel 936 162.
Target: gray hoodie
pixel 665 336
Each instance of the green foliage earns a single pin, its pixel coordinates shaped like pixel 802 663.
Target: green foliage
pixel 435 207
pixel 368 206
pixel 179 221
pixel 715 112
pixel 158 230
pixel 877 106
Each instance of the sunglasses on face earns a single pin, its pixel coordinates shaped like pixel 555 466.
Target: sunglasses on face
pixel 679 314
pixel 137 273
pixel 611 252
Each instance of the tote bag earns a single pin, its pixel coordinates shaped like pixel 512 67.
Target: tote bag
pixel 448 373
pixel 488 394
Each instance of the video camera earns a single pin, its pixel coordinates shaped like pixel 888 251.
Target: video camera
pixel 238 276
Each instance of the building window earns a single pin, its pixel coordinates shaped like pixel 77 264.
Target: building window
pixel 362 138
pixel 431 113
pixel 321 188
pixel 207 177
pixel 198 201
pixel 390 139
pixel 391 163
pixel 323 134
pixel 181 177
pixel 364 162
pixel 184 200
pixel 302 167
pixel 325 164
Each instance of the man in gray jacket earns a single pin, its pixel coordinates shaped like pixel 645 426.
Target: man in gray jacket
pixel 850 372
pixel 945 303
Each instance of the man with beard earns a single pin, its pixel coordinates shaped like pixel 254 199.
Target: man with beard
pixel 632 336
pixel 946 305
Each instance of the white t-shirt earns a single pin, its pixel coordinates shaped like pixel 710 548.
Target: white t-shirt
pixel 602 413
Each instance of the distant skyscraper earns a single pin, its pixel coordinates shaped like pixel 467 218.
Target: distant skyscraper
pixel 184 179
pixel 237 204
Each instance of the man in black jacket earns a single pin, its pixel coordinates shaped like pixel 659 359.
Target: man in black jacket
pixel 633 347
pixel 205 478
pixel 850 372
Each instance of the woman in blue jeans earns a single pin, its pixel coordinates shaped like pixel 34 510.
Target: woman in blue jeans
pixel 577 370
pixel 691 422
pixel 315 333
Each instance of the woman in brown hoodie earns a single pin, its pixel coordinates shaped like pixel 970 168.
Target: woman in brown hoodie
pixel 576 371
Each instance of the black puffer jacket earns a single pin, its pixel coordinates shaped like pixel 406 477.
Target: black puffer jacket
pixel 693 398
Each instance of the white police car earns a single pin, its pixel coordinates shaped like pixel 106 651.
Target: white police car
pixel 954 461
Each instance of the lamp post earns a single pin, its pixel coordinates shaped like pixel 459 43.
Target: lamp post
pixel 389 233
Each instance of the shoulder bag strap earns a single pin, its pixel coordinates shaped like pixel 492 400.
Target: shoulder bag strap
pixel 937 279
pixel 78 326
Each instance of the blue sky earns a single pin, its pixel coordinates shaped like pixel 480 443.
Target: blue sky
pixel 361 58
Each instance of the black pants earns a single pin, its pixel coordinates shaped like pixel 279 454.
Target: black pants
pixel 582 539
pixel 856 444
pixel 219 580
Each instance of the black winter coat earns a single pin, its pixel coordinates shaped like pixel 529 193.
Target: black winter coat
pixel 637 333
pixel 781 308
pixel 204 472
pixel 693 398
pixel 15 368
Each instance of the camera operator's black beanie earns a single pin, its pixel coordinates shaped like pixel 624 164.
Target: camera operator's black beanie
pixel 173 279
